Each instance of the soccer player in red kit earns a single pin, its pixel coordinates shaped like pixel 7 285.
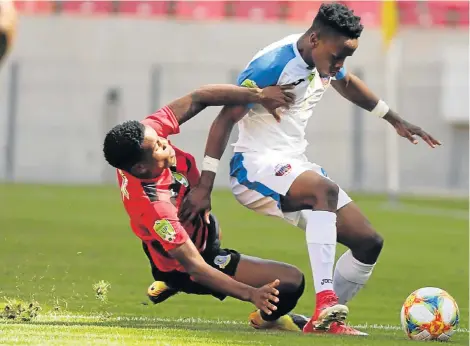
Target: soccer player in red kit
pixel 154 177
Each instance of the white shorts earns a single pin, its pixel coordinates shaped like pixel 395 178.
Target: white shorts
pixel 259 180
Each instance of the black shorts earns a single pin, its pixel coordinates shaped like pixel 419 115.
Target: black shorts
pixel 225 260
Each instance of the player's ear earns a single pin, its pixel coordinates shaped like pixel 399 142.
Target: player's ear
pixel 313 39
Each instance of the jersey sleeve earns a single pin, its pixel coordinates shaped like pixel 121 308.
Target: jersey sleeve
pixel 163 122
pixel 163 224
pixel 267 68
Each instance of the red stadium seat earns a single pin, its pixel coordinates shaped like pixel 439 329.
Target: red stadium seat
pixel 200 10
pixel 444 13
pixel 144 8
pixel 369 11
pixel 303 11
pixel 87 7
pixel 34 7
pixel 411 12
pixel 258 10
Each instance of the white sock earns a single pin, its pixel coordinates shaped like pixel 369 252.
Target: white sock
pixel 350 276
pixel 321 243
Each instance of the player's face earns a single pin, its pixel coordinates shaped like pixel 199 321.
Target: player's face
pixel 158 155
pixel 329 53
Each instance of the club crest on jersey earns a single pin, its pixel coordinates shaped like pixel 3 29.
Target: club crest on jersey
pixel 281 170
pixel 248 83
pixel 222 261
pixel 311 77
pixel 180 178
pixel 165 230
pixel 124 182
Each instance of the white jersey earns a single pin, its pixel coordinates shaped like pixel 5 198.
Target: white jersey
pixel 278 64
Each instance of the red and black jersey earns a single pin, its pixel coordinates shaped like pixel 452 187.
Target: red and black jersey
pixel 153 204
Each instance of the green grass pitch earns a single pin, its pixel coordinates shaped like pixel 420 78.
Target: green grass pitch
pixel 57 241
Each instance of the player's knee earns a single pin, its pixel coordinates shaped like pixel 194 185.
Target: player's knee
pixel 292 279
pixel 297 278
pixel 301 287
pixel 376 245
pixel 370 248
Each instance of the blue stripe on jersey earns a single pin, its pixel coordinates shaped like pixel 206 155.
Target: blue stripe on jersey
pixel 237 170
pixel 267 68
pixel 341 73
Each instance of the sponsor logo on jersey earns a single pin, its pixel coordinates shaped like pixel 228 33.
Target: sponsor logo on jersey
pixel 222 261
pixel 281 170
pixel 180 178
pixel 165 230
pixel 298 82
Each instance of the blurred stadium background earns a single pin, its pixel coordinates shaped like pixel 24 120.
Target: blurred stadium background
pixel 79 67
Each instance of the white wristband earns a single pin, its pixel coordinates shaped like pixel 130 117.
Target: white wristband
pixel 380 109
pixel 210 164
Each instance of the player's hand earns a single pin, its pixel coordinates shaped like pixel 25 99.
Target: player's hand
pixel 274 97
pixel 197 200
pixel 264 297
pixel 410 131
pixel 8 22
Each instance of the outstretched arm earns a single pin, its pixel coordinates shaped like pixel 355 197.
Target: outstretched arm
pixel 192 261
pixel 355 90
pixel 188 106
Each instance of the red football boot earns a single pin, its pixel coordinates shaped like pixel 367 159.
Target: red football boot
pixel 327 311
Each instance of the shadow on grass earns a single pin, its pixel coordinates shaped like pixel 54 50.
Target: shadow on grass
pixel 200 327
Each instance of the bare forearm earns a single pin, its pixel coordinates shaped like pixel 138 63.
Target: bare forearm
pixel 226 95
pixel 222 283
pixel 186 107
pixel 201 272
pixel 356 91
pixel 218 137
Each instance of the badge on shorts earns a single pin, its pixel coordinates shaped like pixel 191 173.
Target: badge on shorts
pixel 222 261
pixel 165 230
pixel 281 170
pixel 325 81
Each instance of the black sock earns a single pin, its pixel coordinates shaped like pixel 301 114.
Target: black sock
pixel 288 296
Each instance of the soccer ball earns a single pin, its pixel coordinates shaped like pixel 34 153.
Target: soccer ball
pixel 429 314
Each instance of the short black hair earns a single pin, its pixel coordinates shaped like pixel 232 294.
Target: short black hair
pixel 338 17
pixel 122 146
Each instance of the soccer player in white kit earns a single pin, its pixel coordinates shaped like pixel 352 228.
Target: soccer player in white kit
pixel 271 175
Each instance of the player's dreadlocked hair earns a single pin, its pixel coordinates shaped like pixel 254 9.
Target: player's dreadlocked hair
pixel 338 17
pixel 122 145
